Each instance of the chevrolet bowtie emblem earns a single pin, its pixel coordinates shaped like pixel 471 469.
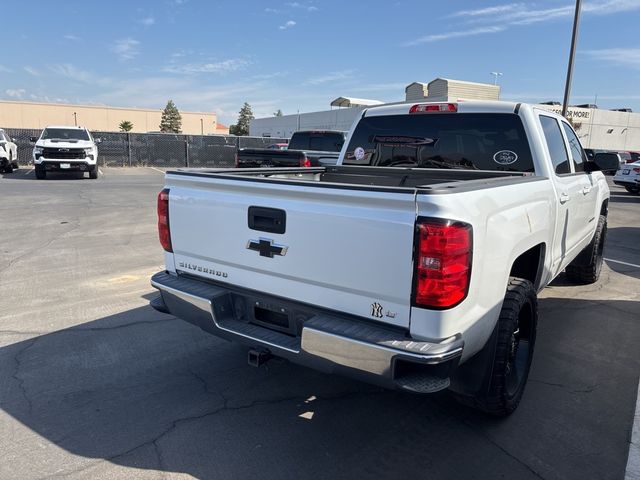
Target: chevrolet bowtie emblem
pixel 266 248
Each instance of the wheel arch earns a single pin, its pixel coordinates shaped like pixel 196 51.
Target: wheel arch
pixel 530 265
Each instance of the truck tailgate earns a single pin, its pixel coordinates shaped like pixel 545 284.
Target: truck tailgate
pixel 344 248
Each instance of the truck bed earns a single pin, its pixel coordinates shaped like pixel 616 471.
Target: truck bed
pixel 434 181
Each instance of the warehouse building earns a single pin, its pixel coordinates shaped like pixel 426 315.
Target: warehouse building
pixel 597 128
pixel 17 114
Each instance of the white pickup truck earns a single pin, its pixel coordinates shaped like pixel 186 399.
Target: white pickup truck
pixel 414 263
pixel 65 149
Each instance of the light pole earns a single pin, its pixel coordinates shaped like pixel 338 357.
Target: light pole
pixel 572 53
pixel 495 77
pixel 201 127
pixel 75 119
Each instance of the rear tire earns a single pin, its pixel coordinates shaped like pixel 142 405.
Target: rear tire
pixel 515 341
pixel 41 173
pixel 93 174
pixel 635 190
pixel 586 267
pixel 8 167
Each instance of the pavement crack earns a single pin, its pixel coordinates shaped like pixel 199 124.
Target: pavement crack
pixel 225 407
pixel 122 325
pixel 15 375
pixel 505 451
pixel 587 389
pixel 38 248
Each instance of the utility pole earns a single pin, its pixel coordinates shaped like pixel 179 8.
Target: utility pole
pixel 495 77
pixel 201 127
pixel 572 53
pixel 75 118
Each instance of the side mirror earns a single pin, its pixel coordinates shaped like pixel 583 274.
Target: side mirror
pixel 13 140
pixel 605 162
pixel 97 140
pixel 33 139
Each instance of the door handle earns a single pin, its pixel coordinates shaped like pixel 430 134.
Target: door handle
pixel 586 190
pixel 564 197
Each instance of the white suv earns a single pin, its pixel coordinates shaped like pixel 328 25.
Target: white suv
pixel 65 149
pixel 8 153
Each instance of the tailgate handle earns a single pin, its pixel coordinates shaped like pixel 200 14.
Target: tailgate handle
pixel 263 219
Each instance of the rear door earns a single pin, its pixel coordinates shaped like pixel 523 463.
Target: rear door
pixel 569 222
pixel 589 187
pixel 343 248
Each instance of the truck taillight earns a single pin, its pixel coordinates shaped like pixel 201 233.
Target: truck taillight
pixel 636 170
pixel 305 162
pixel 164 232
pixel 433 107
pixel 442 263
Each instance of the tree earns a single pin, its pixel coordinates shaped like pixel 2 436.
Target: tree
pixel 244 119
pixel 171 121
pixel 125 126
pixel 278 113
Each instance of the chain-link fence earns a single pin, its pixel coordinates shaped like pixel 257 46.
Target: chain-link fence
pixel 120 149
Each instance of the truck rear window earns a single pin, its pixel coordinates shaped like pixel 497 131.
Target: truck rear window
pixel 320 141
pixel 475 141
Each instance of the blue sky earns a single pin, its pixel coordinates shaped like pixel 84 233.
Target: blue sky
pixel 215 55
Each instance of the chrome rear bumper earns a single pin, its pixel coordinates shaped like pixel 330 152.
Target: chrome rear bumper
pixel 326 342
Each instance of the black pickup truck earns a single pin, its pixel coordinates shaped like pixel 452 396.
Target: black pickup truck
pixel 307 148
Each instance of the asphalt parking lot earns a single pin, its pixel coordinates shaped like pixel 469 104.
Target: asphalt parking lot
pixel 96 384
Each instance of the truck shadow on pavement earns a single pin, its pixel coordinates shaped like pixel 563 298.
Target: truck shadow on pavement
pixel 145 390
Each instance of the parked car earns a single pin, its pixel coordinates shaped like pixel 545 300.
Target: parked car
pixel 277 146
pixel 414 263
pixel 8 153
pixel 629 157
pixel 65 149
pixel 628 176
pixel 310 148
pixel 625 157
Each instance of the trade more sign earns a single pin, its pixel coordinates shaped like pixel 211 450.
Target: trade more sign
pixel 573 113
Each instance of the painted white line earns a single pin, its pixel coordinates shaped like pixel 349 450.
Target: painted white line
pixel 622 263
pixel 157 170
pixel 100 172
pixel 28 171
pixel 633 463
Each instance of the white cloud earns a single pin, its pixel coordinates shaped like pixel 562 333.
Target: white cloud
pixel 72 72
pixel 627 57
pixel 230 65
pixel 147 21
pixel 126 48
pixel 456 34
pixel 72 38
pixel 270 10
pixel 301 6
pixel 498 18
pixel 5 69
pixel 488 10
pixel 32 71
pixel 17 93
pixel 331 77
pixel 289 24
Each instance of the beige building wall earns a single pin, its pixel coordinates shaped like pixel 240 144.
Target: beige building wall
pixel 107 119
